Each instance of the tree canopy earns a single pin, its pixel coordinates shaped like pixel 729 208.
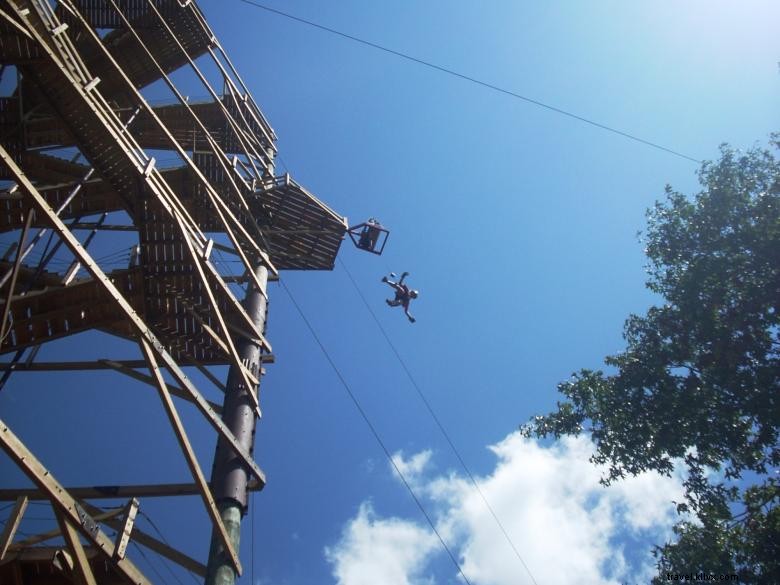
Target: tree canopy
pixel 698 383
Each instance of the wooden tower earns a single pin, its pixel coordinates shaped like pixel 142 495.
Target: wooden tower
pixel 99 149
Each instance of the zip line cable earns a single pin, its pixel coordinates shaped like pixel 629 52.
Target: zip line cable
pixel 374 432
pixel 252 542
pixel 148 562
pixel 165 541
pixel 474 80
pixel 438 423
pixel 427 406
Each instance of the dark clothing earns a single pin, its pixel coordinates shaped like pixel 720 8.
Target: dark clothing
pixel 369 235
pixel 403 295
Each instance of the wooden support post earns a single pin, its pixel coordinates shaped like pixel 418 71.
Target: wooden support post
pixel 112 492
pixel 73 269
pixel 192 461
pixel 233 353
pixel 123 536
pixel 176 391
pixel 14 274
pixel 64 503
pixel 12 524
pixel 43 232
pixel 81 568
pixel 39 538
pixel 153 544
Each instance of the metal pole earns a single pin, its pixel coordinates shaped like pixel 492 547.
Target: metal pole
pixel 229 476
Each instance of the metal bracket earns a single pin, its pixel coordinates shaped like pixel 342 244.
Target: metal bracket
pixel 86 521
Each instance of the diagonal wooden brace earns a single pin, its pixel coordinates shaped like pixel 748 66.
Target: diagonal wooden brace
pixel 189 454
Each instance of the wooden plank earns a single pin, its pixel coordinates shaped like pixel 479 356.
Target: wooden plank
pixel 62 500
pixel 12 524
pixel 43 537
pixel 152 543
pixel 113 492
pixel 238 307
pixel 14 274
pixel 176 391
pixel 81 569
pixel 11 20
pixel 189 454
pixel 233 351
pixel 123 535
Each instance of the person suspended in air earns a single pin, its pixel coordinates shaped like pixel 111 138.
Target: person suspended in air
pixel 403 294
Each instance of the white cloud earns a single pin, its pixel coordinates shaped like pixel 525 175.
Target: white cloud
pixel 413 467
pixel 566 526
pixel 387 551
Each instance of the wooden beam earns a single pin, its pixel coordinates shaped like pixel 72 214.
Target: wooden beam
pixel 123 535
pixel 152 543
pixel 189 454
pixel 81 569
pixel 237 305
pixel 73 269
pixel 208 375
pixel 11 20
pixel 64 502
pixel 233 352
pixel 101 364
pixel 15 274
pixel 44 536
pixel 12 524
pixel 115 492
pixel 175 390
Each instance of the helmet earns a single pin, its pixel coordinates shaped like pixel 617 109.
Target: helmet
pixel 414 293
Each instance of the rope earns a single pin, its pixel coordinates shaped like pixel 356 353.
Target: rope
pixel 374 432
pixel 475 81
pixel 252 543
pixel 160 534
pixel 435 418
pixel 148 562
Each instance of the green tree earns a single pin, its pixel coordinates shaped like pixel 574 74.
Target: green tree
pixel 698 384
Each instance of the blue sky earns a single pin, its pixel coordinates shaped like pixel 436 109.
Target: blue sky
pixel 519 227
